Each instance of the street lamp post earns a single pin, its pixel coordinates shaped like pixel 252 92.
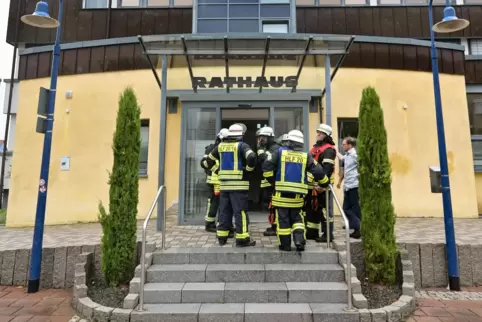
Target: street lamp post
pixel 450 23
pixel 41 19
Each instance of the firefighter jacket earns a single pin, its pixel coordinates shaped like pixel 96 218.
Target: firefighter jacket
pixel 291 171
pixel 263 153
pixel 211 177
pixel 324 153
pixel 232 161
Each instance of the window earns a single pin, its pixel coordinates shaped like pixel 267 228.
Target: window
pixel 474 102
pixel 144 147
pixel 95 4
pixel 129 3
pixel 475 46
pixel 158 3
pixel 346 127
pixel 221 16
pixel 276 27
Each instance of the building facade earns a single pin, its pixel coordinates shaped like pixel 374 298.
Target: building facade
pixel 206 90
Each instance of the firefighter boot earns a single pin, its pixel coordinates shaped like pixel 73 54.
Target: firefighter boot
pixel 248 242
pixel 270 231
pixel 210 227
pixel 323 239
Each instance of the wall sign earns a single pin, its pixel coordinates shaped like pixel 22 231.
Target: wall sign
pixel 245 82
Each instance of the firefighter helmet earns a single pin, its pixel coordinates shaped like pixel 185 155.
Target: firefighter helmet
pixel 296 136
pixel 265 131
pixel 324 128
pixel 235 130
pixel 243 126
pixel 223 134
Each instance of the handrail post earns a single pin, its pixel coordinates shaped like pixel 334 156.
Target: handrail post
pixel 144 237
pixel 327 217
pixel 348 250
pixel 163 244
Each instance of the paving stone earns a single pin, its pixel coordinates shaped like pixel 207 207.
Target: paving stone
pixel 60 266
pixel 365 315
pixel 465 264
pixel 203 293
pixel 22 257
pixel 228 312
pixel 378 315
pixel 167 313
pixel 279 312
pixel 73 253
pixel 333 313
pixel 102 313
pixel 440 275
pixel 131 301
pixel 176 273
pixel 255 293
pixel 426 264
pixel 121 315
pixel 163 292
pixel 317 292
pixel 8 265
pixel 235 273
pixel 476 254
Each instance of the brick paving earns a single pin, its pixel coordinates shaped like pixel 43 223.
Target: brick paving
pixel 432 310
pixel 44 306
pixel 416 230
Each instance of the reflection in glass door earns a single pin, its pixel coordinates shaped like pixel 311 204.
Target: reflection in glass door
pixel 200 131
pixel 287 119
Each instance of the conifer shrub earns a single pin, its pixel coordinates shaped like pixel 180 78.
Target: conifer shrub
pixel 119 224
pixel 378 216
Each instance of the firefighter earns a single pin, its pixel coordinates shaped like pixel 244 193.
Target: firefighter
pixel 236 160
pixel 324 153
pixel 288 169
pixel 213 182
pixel 266 147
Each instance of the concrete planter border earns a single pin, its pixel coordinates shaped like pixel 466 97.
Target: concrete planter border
pixel 395 312
pixel 88 309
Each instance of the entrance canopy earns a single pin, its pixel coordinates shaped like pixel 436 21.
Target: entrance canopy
pixel 261 49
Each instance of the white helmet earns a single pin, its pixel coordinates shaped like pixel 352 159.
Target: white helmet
pixel 223 134
pixel 235 130
pixel 243 126
pixel 325 129
pixel 284 138
pixel 265 131
pixel 295 136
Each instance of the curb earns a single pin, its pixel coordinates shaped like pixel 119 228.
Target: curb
pixel 395 312
pixel 88 309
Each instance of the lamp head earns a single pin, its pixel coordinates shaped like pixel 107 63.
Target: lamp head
pixel 40 18
pixel 450 22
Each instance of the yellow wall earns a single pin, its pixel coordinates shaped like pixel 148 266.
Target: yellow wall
pixel 478 187
pixel 85 134
pixel 412 136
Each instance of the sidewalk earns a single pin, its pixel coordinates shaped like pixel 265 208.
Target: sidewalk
pixel 446 306
pixel 45 306
pixel 408 230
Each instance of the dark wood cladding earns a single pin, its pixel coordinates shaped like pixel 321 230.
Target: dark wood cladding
pixel 386 21
pixel 129 57
pixel 82 25
pixel 473 71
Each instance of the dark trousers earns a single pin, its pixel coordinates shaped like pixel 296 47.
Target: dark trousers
pixel 288 219
pixel 351 207
pixel 233 203
pixel 267 194
pixel 212 208
pixel 316 215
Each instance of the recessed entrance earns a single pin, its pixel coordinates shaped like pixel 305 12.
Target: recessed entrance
pixel 254 119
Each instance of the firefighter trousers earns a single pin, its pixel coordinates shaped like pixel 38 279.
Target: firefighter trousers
pixel 233 203
pixel 290 220
pixel 268 196
pixel 316 214
pixel 212 207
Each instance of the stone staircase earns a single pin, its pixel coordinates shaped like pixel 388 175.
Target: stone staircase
pixel 244 284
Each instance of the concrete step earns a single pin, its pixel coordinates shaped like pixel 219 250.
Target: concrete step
pixel 249 255
pixel 249 312
pixel 196 273
pixel 329 292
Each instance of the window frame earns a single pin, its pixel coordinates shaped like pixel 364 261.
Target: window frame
pixel 145 123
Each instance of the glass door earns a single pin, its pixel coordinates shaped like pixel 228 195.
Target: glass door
pixel 287 119
pixel 199 126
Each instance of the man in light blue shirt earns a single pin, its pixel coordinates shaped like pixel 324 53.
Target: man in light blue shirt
pixel 351 205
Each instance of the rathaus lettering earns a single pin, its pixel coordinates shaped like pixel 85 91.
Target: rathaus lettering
pixel 245 82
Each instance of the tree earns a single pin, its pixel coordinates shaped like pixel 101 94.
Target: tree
pixel 120 224
pixel 375 192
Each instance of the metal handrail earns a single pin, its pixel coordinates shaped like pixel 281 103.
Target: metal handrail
pixel 144 233
pixel 347 236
